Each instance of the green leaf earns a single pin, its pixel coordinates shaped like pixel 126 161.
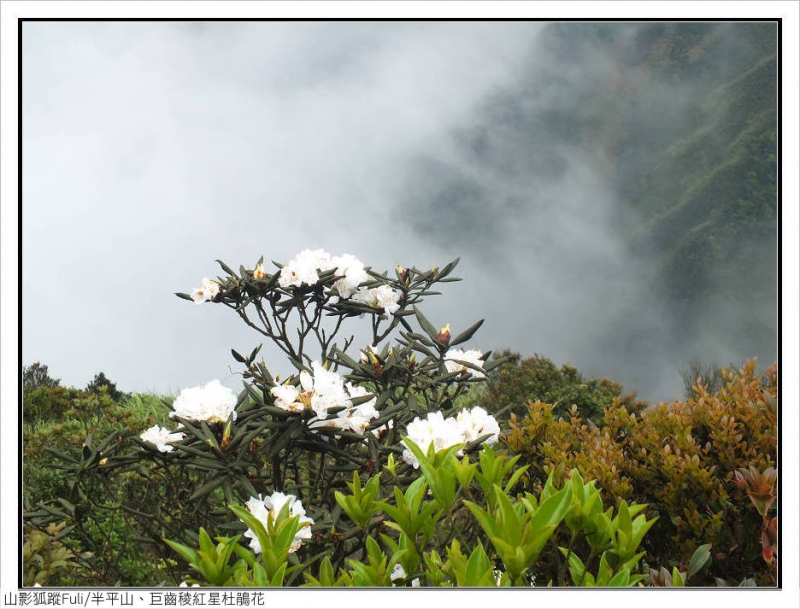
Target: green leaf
pixel 515 477
pixel 254 352
pixel 326 577
pixel 207 488
pixel 640 528
pixel 244 554
pixel 621 579
pixel 577 570
pixel 226 268
pixel 186 552
pixel 552 511
pixel 209 570
pixel 429 328
pixel 260 578
pixel 479 568
pixel 466 334
pixel 227 550
pixel 448 268
pixel 277 579
pixel 624 519
pixel 206 545
pixel 700 558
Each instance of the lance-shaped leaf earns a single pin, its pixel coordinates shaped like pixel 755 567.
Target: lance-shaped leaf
pixel 427 326
pixel 466 334
pixel 700 558
pixel 226 268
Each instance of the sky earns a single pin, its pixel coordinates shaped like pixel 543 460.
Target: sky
pixel 152 149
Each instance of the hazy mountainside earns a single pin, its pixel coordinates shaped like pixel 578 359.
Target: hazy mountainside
pixel 704 190
pixel 633 169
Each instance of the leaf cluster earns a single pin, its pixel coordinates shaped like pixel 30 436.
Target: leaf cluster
pixel 680 458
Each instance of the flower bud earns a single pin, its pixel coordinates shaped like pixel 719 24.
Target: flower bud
pixel 226 436
pixel 259 273
pixel 444 335
pixel 375 363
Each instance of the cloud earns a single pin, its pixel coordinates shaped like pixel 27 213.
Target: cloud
pixel 152 149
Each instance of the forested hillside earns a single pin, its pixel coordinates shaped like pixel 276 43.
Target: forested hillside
pixel 634 166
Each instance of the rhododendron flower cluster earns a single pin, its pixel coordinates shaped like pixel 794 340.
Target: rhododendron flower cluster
pixel 305 269
pixel 267 508
pixel 161 437
pixel 354 418
pixel 322 391
pixel 208 291
pixel 353 274
pixel 473 356
pixel 466 427
pixel 212 403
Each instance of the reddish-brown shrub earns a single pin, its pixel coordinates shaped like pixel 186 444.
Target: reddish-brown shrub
pixel 681 459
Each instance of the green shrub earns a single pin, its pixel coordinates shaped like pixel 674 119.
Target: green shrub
pixel 47 561
pixel 100 381
pixel 52 448
pixel 36 375
pixel 420 534
pixel 519 381
pixel 45 404
pixel 337 411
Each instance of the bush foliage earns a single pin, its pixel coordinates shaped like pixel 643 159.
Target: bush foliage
pixel 537 378
pixel 681 458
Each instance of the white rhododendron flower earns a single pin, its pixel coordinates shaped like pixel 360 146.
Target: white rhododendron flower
pixel 267 508
pixel 382 297
pixel 212 402
pixel 209 291
pixel 466 427
pixel 353 273
pixel 304 268
pixel 476 423
pixel 354 418
pixel 161 436
pixel 287 397
pixel 473 356
pixel 329 391
pixel 434 429
pixel 322 391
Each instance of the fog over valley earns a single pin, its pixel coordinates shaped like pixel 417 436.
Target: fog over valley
pixel 610 188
